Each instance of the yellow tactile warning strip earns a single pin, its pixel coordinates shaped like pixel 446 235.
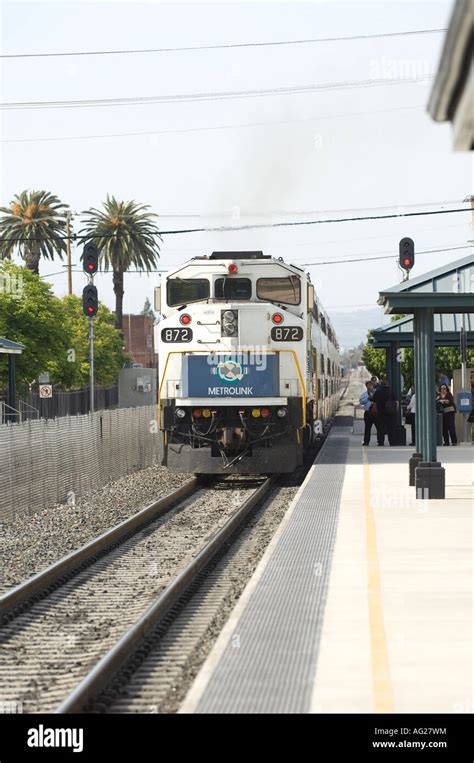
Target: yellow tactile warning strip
pixel 381 681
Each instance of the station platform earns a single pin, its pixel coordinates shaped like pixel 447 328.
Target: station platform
pixel 362 602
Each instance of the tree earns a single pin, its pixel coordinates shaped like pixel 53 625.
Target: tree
pixel 126 235
pixel 108 347
pixel 351 357
pixel 374 358
pixel 446 360
pixel 35 224
pixel 147 309
pixel 54 332
pixel 449 358
pixel 32 315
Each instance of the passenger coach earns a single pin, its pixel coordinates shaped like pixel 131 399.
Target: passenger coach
pixel 249 367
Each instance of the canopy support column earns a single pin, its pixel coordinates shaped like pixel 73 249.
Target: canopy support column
pixel 11 387
pixel 393 373
pixel 429 474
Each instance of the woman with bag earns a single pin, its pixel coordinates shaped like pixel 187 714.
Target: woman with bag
pixel 445 403
pixel 410 415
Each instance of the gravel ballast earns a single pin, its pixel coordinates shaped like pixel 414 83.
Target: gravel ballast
pixel 80 621
pixel 31 543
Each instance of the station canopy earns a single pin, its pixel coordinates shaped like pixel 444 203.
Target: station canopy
pixel 444 290
pixel 447 327
pixel 10 348
pixel 448 289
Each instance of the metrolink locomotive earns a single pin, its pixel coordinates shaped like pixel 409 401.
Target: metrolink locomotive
pixel 249 365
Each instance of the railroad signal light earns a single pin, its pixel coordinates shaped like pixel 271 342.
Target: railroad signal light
pixel 90 258
pixel 406 258
pixel 90 302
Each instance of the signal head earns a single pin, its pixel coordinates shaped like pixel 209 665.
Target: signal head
pixel 90 258
pixel 406 258
pixel 90 302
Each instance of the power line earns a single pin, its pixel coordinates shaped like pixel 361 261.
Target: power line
pixel 383 257
pixel 229 46
pixel 314 222
pixel 217 96
pixel 306 264
pixel 216 127
pixel 294 212
pixel 255 226
pixel 315 244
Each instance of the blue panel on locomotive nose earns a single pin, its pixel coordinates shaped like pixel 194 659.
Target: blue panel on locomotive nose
pixel 218 376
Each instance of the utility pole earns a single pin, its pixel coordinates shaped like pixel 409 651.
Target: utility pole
pixel 471 199
pixel 91 363
pixel 68 251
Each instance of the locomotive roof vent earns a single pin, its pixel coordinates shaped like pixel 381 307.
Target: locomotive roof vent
pixel 239 256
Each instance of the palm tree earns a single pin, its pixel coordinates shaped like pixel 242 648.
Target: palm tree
pixel 35 223
pixel 125 235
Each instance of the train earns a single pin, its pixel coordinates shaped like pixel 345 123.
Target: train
pixel 249 368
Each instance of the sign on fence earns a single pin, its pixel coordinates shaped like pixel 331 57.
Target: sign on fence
pixel 46 391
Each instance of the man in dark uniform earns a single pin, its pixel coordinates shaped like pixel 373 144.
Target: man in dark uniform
pixel 386 418
pixel 365 399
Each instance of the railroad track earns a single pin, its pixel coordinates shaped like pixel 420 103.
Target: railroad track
pixel 64 639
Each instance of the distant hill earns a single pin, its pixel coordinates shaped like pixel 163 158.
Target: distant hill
pixel 351 326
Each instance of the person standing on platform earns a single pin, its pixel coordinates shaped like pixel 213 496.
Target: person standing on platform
pixel 365 400
pixel 386 418
pixel 410 415
pixel 375 382
pixel 445 403
pixel 442 378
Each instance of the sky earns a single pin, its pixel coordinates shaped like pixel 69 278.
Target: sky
pixel 310 155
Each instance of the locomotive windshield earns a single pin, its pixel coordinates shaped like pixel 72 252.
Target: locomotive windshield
pixel 233 288
pixel 286 290
pixel 181 291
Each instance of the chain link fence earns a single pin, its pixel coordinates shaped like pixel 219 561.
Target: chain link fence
pixel 49 461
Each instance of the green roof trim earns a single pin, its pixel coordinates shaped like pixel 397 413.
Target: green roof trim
pixel 446 331
pixel 448 289
pixel 10 348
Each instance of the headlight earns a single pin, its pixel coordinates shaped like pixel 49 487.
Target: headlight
pixel 281 413
pixel 180 413
pixel 229 320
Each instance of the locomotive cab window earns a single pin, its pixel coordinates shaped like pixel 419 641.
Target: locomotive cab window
pixel 233 288
pixel 182 291
pixel 286 290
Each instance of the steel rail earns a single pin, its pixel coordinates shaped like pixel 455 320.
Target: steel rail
pixel 41 582
pixel 102 673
